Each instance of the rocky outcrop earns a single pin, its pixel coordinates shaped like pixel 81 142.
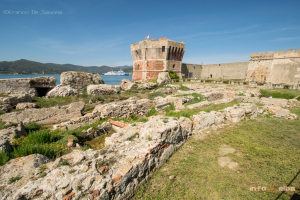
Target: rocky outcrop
pixel 129 158
pixel 79 80
pixel 26 85
pixel 5 107
pixel 71 83
pixel 147 85
pixel 126 84
pixel 103 89
pixel 14 99
pixel 163 78
pixel 21 106
pixel 62 91
pixel 7 135
pixel 124 109
pixel 44 116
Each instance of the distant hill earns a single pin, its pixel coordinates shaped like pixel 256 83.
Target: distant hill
pixel 29 67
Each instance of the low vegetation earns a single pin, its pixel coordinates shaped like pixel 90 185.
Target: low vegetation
pixel 280 93
pixel 197 98
pixel 267 152
pixel 132 137
pixel 152 112
pixel 156 94
pixel 184 88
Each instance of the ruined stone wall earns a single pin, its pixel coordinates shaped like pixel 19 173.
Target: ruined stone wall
pixel 277 68
pixel 215 71
pixel 26 85
pixel 150 57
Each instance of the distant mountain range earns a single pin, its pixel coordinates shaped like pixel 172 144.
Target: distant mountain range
pixel 29 67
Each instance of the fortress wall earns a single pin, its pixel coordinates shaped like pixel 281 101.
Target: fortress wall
pixel 279 67
pixel 216 71
pixel 225 70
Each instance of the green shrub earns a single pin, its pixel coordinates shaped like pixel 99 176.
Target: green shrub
pixel 2 112
pixel 298 98
pixel 32 127
pixel 50 150
pixel 172 74
pixel 2 125
pixel 4 157
pixel 132 137
pixel 38 137
pixel 172 107
pixel 155 94
pixel 63 163
pixel 151 112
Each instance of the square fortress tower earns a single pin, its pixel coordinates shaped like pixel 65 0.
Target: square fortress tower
pixel 150 57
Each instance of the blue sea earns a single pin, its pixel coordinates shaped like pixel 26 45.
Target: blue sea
pixel 109 80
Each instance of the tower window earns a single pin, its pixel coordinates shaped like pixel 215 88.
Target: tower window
pixel 163 48
pixel 173 66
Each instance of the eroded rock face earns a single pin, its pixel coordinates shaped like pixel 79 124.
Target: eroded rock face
pixel 163 77
pixel 22 106
pixel 14 99
pixel 126 84
pixel 124 109
pixel 7 135
pixel 146 85
pixel 79 80
pixel 44 82
pixel 103 89
pixel 6 107
pixel 25 167
pixel 44 116
pixel 62 91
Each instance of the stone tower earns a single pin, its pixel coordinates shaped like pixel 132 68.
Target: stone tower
pixel 150 57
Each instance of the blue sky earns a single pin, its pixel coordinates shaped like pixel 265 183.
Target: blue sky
pixel 98 32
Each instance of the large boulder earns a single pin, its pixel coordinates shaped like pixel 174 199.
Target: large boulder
pixel 62 91
pixel 126 84
pixel 79 80
pixel 163 77
pixel 103 89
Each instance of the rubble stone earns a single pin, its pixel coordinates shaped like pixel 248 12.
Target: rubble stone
pixel 103 89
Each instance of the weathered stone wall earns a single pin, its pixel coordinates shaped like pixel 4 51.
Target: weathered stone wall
pixel 277 68
pixel 150 57
pixel 26 85
pixel 215 71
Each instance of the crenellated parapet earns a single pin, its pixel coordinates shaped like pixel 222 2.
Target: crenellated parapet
pixel 291 53
pixel 281 67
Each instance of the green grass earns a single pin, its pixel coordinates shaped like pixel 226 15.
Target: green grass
pixel 2 125
pixel 184 88
pixel 170 108
pixel 298 98
pixel 14 179
pixel 2 112
pixel 156 94
pixel 280 93
pixel 132 137
pixel 197 98
pixel 4 157
pixel 269 150
pixel 32 127
pixel 88 108
pixel 190 112
pixel 151 112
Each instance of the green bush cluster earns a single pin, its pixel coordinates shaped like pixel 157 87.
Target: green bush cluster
pixel 172 74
